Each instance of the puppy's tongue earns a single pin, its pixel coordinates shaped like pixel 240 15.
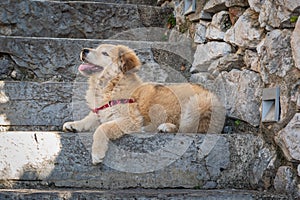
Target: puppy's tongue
pixel 86 66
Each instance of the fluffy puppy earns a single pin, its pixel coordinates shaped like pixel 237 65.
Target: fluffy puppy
pixel 121 103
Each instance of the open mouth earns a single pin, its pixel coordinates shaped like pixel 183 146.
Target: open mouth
pixel 89 68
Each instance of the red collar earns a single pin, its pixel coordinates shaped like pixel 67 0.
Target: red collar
pixel 113 103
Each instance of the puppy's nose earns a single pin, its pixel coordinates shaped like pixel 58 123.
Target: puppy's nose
pixel 83 54
pixel 85 51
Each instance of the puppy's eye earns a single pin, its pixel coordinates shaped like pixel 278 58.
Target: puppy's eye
pixel 105 53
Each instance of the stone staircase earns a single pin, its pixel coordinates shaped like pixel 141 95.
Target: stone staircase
pixel 40 89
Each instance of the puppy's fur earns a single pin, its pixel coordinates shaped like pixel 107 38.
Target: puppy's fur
pixel 186 108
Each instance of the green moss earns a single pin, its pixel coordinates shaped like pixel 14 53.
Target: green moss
pixel 198 187
pixel 294 19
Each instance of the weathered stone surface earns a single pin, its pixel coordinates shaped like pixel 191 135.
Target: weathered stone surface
pixel 275 14
pixel 251 60
pixel 226 63
pixel 205 15
pixel 171 63
pixel 219 25
pixel 235 12
pixel 277 66
pixel 138 160
pixel 288 139
pixel 241 3
pixel 200 33
pixel 7 67
pixel 207 53
pixel 214 6
pixel 239 90
pixel 285 180
pixel 146 2
pixel 28 58
pixel 76 19
pixel 275 54
pixel 144 34
pixel 29 105
pixel 295 41
pixel 246 32
pixel 167 194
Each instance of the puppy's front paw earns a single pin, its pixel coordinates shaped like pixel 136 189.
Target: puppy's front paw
pixel 97 159
pixel 167 128
pixel 69 127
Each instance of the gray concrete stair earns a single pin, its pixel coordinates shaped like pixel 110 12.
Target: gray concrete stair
pixel 174 194
pixel 37 106
pixel 143 2
pixel 142 160
pixel 79 19
pixel 57 59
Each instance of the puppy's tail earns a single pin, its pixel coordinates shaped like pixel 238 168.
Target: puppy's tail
pixel 203 113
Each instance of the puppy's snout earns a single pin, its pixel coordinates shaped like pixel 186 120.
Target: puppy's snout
pixel 84 53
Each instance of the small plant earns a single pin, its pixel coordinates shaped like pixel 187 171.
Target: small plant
pixel 237 122
pixel 197 187
pixel 294 19
pixel 171 21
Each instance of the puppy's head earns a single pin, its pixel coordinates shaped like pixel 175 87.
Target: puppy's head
pixel 115 58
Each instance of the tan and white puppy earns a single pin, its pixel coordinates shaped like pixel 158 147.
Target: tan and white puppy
pixel 122 103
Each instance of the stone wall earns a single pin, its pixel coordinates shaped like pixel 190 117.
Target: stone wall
pixel 243 47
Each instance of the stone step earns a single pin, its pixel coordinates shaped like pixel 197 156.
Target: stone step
pixel 142 2
pixel 57 59
pixel 38 106
pixel 174 194
pixel 76 19
pixel 204 161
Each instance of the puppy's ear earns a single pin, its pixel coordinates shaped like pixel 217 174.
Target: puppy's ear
pixel 129 62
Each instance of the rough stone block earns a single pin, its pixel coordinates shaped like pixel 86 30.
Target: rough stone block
pixel 239 90
pixel 200 33
pixel 129 194
pixel 48 59
pixel 143 2
pixel 285 181
pixel 271 61
pixel 219 25
pixel 76 19
pixel 241 3
pixel 295 40
pixel 214 6
pixel 207 53
pixel 205 161
pixel 288 139
pixel 277 14
pixel 245 33
pixel 29 105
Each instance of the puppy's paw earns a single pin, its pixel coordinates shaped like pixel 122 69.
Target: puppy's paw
pixel 167 128
pixel 97 159
pixel 148 129
pixel 69 127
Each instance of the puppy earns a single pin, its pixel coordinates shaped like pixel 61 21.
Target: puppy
pixel 121 103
